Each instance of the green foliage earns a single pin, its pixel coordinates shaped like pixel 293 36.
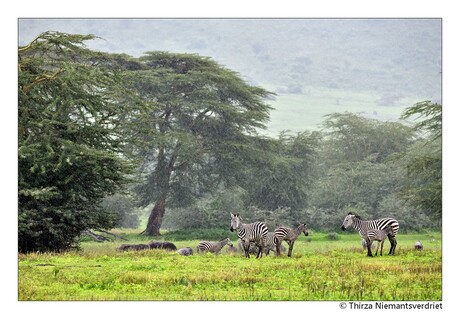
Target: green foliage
pixel 354 138
pixel 199 129
pixel 193 127
pixel 333 236
pixel 69 142
pixel 431 117
pixel 423 161
pixel 354 172
pixel 286 175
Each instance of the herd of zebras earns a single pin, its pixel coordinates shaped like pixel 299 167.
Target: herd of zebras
pixel 254 238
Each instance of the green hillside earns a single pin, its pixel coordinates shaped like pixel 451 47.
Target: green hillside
pixel 316 66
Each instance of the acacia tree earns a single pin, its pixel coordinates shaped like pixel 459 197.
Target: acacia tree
pixel 287 174
pixel 355 171
pixel 423 161
pixel 69 142
pixel 200 129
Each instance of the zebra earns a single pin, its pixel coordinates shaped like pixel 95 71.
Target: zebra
pixel 289 235
pixel 253 250
pixel 379 235
pixel 249 233
pixel 364 244
pixel 213 247
pixel 270 244
pixel 187 251
pixel 362 226
pixel 232 250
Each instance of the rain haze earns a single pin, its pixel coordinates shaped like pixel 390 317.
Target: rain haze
pixel 376 67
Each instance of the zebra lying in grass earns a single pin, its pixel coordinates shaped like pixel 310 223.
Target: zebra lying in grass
pixel 249 233
pixel 379 235
pixel 187 251
pixel 213 247
pixel 289 235
pixel 362 226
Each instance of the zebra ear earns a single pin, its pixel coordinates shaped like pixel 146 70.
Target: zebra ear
pixel 231 214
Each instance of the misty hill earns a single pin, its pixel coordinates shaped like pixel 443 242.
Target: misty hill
pixel 316 66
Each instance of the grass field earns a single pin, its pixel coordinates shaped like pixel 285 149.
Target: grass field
pixel 321 269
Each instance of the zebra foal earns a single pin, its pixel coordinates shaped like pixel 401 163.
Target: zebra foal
pixel 363 226
pixel 270 245
pixel 289 235
pixel 249 233
pixel 213 247
pixel 379 235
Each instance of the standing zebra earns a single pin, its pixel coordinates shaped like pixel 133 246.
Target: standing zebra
pixel 253 250
pixel 289 235
pixel 379 235
pixel 249 233
pixel 213 247
pixel 270 244
pixel 362 226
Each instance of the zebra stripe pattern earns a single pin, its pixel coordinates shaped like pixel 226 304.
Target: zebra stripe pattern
pixel 213 247
pixel 363 226
pixel 270 245
pixel 249 233
pixel 271 242
pixel 289 235
pixel 378 235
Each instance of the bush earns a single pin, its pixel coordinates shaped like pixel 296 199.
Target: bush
pixel 333 236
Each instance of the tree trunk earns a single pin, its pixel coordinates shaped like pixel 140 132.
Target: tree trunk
pixel 156 217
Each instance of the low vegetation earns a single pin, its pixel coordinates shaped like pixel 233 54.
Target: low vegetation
pixel 322 268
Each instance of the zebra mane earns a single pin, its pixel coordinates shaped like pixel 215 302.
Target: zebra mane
pixel 356 215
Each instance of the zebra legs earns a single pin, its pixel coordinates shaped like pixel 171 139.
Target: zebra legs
pixel 381 248
pixel 278 246
pixel 369 250
pixel 247 249
pixel 246 246
pixel 393 243
pixel 291 246
pixel 259 253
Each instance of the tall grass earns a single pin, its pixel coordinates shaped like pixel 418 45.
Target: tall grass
pixel 320 269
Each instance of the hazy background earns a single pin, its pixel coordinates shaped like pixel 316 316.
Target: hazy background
pixel 315 66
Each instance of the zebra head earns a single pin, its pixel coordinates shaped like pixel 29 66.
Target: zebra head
pixel 236 222
pixel 228 242
pixel 303 229
pixel 348 221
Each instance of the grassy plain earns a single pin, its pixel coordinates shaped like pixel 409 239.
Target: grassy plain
pixel 300 112
pixel 321 269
